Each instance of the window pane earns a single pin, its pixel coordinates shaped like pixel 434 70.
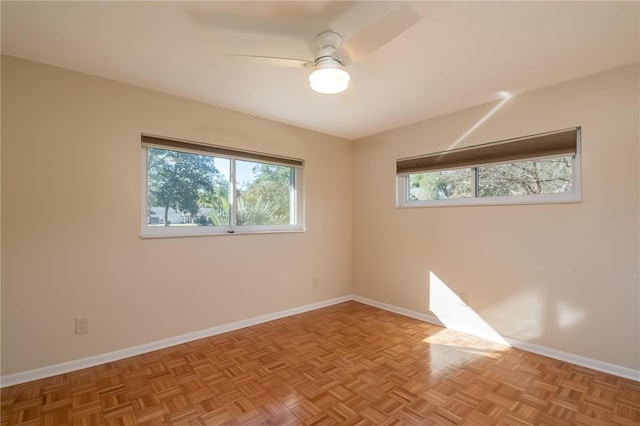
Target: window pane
pixel 440 185
pixel 185 189
pixel 264 194
pixel 543 176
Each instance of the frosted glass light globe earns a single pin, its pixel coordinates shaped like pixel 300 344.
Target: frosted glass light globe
pixel 329 77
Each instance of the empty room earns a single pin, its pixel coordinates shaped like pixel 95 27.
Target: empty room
pixel 320 213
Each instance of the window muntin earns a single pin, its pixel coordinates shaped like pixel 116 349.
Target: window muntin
pixel 531 176
pixel 193 192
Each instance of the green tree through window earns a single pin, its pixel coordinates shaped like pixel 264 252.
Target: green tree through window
pixel 178 180
pixel 188 190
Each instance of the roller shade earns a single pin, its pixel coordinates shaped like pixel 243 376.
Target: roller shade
pixel 165 143
pixel 563 142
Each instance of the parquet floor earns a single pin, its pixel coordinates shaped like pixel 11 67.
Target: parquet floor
pixel 348 364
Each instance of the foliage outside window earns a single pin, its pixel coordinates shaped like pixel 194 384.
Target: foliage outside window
pixel 536 169
pixel 196 190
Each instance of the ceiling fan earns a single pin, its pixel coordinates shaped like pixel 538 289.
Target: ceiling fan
pixel 328 73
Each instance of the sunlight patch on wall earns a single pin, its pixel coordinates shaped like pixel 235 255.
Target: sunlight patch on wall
pixel 568 315
pixel 455 314
pixel 519 316
pixel 505 98
pixel 530 313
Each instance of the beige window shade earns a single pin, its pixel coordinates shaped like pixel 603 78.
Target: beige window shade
pixel 165 143
pixel 563 142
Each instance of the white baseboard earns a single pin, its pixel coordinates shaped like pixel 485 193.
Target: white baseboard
pixel 66 367
pixel 605 367
pixel 402 311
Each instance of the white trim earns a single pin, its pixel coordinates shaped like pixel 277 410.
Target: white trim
pixel 594 364
pixel 574 196
pixel 66 367
pixel 453 325
pixel 395 309
pixel 92 361
pixel 150 232
pixel 564 198
pixel 175 232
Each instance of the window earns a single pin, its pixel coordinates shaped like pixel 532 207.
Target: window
pixel 194 189
pixel 542 168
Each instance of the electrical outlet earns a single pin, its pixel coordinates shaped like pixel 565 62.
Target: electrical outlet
pixel 315 283
pixel 82 325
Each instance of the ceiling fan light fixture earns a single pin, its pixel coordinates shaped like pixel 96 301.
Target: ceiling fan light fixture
pixel 329 77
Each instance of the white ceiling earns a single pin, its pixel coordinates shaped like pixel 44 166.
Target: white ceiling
pixel 458 55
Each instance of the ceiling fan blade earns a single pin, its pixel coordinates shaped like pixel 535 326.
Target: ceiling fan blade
pixel 272 61
pixel 377 35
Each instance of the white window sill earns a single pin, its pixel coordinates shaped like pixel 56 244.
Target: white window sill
pixel 496 201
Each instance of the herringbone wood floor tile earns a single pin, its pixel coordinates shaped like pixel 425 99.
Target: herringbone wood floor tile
pixel 348 364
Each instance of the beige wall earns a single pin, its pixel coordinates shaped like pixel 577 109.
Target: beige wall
pixel 71 203
pixel 563 276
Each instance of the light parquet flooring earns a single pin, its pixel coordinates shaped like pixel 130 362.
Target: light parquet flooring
pixel 348 364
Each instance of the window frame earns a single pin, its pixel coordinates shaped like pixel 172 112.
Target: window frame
pixel 233 154
pixel 575 196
